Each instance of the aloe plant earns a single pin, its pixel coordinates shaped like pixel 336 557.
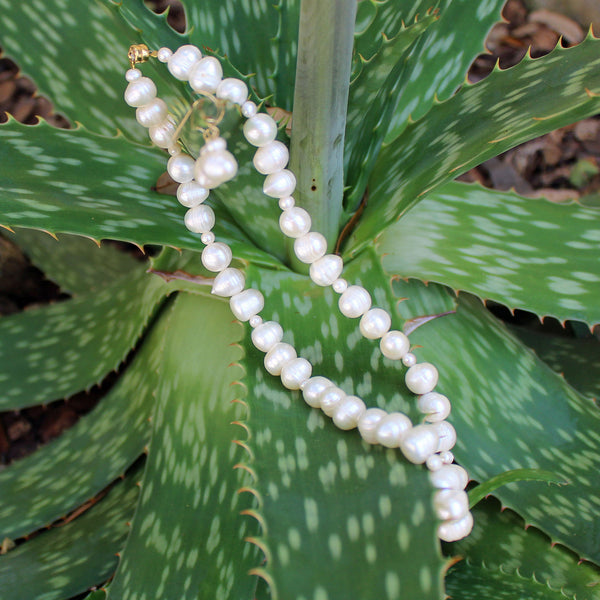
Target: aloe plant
pixel 209 479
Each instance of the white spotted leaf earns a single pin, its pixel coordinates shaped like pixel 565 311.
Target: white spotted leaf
pixel 530 254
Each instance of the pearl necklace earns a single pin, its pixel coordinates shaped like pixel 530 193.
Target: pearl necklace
pixel 430 442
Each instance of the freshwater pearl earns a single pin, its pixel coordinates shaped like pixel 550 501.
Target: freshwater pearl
pixel 286 203
pixel 394 345
pixel 447 457
pixel 368 423
pixel 392 429
pixel 260 129
pixel 206 75
pixel 278 356
pixel 164 54
pixel 280 184
pixel 140 91
pixel 375 323
pixel 200 219
pixel 249 109
pixel 294 222
pixel 339 286
pixel 330 398
pixel 217 257
pixel 452 477
pixel 348 412
pixel 217 168
pixel 354 302
pixel 162 134
pixel 265 336
pixel 451 504
pixel 232 89
pixel 214 145
pixel 271 158
pixel 255 321
pixel 246 304
pixel 447 435
pixel 191 194
pixel 435 406
pixel 451 531
pixel 326 269
pixel 181 62
pixel 152 113
pixel 208 238
pixel 312 390
pixel 419 443
pixel 310 247
pixel 409 359
pixel 132 74
pixel 434 462
pixel 295 373
pixel 181 168
pixel 421 378
pixel 228 282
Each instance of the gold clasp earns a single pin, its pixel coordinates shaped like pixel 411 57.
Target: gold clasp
pixel 139 53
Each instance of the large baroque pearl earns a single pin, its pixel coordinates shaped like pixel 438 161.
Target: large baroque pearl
pixel 452 531
pixel 232 89
pixel 310 247
pixel 271 157
pixel 354 302
pixel 421 378
pixel 449 477
pixel 215 168
pixel 326 269
pixel 312 390
pixel 140 92
pixel 375 323
pixel 206 75
pixel 392 429
pixel 419 443
pixel 200 219
pixel 152 113
pixel 246 304
pixel 394 345
pixel 266 335
pixel 228 282
pixel 260 129
pixel 294 222
pixel 348 412
pixel 217 256
pixel 278 356
pixel 435 406
pixel 181 168
pixel 191 194
pixel 295 372
pixel 180 63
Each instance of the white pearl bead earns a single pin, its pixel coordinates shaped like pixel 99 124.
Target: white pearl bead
pixel 447 435
pixel 246 304
pixel 208 238
pixel 278 356
pixel 452 477
pixel 181 62
pixel 181 168
pixel 368 423
pixel 435 406
pixel 392 429
pixel 200 219
pixel 174 150
pixel 232 89
pixel 409 359
pixel 206 75
pixel 452 531
pixel 451 504
pixel 348 412
pixel 339 286
pixel 434 462
pixel 163 134
pixel 217 168
pixel 152 113
pixel 271 158
pixel 354 302
pixel 140 91
pixel 133 74
pixel 265 336
pixel 214 145
pixel 294 222
pixel 228 282
pixel 447 457
pixel 164 54
pixel 295 373
pixel 217 257
pixel 260 129
pixel 326 269
pixel 286 203
pixel 312 390
pixel 419 443
pixel 191 194
pixel 394 345
pixel 255 321
pixel 374 323
pixel 330 398
pixel 310 247
pixel 280 184
pixel 421 378
pixel 249 109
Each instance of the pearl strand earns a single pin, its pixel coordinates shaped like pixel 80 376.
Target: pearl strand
pixel 429 442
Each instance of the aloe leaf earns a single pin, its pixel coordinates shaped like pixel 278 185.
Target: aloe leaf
pixel 479 122
pixel 57 350
pixel 187 537
pixel 74 263
pixel 342 519
pixel 97 449
pixel 71 558
pixel 504 560
pixel 525 253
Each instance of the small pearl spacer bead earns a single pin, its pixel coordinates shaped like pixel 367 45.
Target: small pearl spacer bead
pixel 217 256
pixel 191 194
pixel 326 269
pixel 266 335
pixel 452 531
pixel 255 321
pixel 368 422
pixel 295 373
pixel 228 283
pixel 133 74
pixel 286 203
pixel 419 443
pixel 164 54
pixel 280 184
pixel 312 390
pixel 447 457
pixel 394 345
pixel 249 109
pixel 447 435
pixel 208 238
pixel 280 354
pixel 392 429
pixel 310 247
pixel 348 412
pixel 434 462
pixel 339 286
pixel 246 304
pixel 435 406
pixel 294 222
pixel 421 378
pixel 409 359
pixel 330 398
pixel 375 323
pixel 260 129
pixel 354 302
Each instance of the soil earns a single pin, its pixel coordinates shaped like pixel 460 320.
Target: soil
pixel 563 164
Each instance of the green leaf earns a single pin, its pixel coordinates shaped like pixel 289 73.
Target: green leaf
pixel 96 450
pixel 71 558
pixel 504 560
pixel 479 122
pixel 57 350
pixel 187 537
pixel 342 519
pixel 524 253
